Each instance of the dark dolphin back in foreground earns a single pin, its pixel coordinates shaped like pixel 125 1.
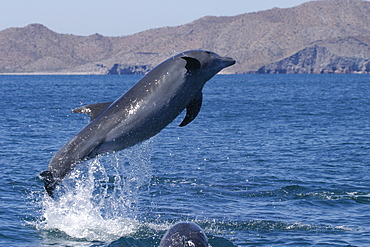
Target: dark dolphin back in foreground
pixel 184 234
pixel 143 111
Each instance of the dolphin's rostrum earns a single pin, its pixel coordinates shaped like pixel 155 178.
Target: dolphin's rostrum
pixel 143 111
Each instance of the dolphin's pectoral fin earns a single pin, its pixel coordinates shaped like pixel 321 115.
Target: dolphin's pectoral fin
pixel 192 64
pixel 94 151
pixel 93 110
pixel 192 109
pixel 49 182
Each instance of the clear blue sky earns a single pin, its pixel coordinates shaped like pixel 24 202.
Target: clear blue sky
pixel 123 17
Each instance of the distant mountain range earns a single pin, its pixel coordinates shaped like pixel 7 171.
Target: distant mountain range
pixel 330 36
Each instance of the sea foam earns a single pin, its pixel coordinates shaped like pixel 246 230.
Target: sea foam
pixel 99 199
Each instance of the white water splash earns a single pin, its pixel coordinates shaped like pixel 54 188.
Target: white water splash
pixel 99 199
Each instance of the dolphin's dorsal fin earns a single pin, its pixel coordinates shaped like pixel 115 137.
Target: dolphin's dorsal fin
pixel 93 110
pixel 193 108
pixel 192 64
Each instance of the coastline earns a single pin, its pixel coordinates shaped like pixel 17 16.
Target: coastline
pixel 52 73
pixel 251 72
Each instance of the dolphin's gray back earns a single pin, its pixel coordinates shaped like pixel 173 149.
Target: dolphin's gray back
pixel 142 112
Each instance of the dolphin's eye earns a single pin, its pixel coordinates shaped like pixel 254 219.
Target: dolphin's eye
pixel 208 52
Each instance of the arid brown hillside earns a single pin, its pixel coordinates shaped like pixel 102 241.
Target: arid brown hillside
pixel 255 40
pixel 36 48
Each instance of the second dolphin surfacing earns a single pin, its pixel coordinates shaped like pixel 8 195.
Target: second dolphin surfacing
pixel 142 112
pixel 184 234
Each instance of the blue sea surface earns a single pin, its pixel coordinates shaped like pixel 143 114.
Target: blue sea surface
pixel 271 160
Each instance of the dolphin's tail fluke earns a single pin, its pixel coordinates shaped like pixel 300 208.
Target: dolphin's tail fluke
pixel 49 182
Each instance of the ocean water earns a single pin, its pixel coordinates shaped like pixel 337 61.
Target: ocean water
pixel 271 160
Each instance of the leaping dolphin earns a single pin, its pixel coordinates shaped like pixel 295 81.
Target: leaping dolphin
pixel 142 112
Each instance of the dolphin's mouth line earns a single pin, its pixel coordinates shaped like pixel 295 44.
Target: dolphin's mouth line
pixel 228 61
